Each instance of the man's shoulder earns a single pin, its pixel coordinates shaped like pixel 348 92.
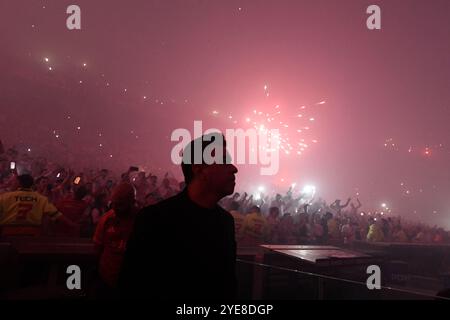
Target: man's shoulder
pixel 163 209
pixel 170 202
pixel 226 216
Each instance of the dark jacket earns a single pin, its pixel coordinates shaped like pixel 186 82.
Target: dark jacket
pixel 178 250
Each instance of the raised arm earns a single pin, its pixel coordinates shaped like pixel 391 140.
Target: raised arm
pixel 346 204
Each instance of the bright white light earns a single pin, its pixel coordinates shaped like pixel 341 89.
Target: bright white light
pixel 309 190
pixel 362 213
pixel 29 150
pixel 261 188
pixel 50 68
pixel 293 185
pixel 383 205
pixel 257 196
pixel 84 64
pixel 46 59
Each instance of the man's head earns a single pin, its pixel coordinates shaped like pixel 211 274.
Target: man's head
pixel 123 199
pixel 274 212
pixel 104 173
pixel 25 181
pixel 140 178
pixel 217 175
pixel 141 175
pixel 41 183
pixel 234 206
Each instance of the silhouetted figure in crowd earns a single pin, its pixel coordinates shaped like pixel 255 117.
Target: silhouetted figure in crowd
pixel 337 207
pixel 110 238
pixel 74 208
pixel 184 247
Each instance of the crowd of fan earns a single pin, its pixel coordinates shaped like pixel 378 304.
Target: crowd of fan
pixel 284 219
pixel 83 197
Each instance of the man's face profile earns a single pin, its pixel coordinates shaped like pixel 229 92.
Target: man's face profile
pixel 218 176
pixel 221 177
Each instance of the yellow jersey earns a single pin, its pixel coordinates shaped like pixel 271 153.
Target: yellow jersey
pixel 375 234
pixel 255 226
pixel 239 219
pixel 25 207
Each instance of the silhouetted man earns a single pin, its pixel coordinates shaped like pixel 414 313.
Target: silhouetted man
pixel 184 247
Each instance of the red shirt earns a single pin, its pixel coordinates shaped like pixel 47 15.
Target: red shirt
pixel 111 235
pixel 73 210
